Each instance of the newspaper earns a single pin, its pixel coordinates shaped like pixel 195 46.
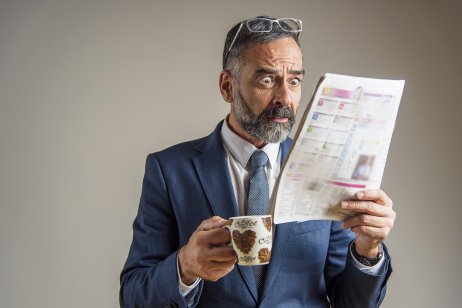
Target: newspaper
pixel 340 147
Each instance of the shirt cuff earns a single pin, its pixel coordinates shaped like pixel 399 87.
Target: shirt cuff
pixel 185 289
pixel 372 270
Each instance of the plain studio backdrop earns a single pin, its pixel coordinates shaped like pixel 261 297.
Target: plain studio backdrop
pixel 89 88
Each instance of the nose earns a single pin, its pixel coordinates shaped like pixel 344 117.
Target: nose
pixel 283 95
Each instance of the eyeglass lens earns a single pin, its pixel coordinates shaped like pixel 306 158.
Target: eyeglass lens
pixel 266 25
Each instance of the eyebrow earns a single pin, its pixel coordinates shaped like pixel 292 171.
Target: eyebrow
pixel 264 70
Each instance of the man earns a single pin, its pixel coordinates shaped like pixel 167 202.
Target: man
pixel 179 255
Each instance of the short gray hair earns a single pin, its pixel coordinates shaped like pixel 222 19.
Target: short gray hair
pixel 233 60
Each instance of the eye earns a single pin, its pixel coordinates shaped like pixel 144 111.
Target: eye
pixel 266 81
pixel 295 82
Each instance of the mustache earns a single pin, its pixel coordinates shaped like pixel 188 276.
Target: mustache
pixel 277 112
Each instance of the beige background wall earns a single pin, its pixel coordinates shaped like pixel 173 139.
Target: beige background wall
pixel 89 88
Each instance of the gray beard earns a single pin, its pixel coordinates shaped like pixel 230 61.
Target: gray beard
pixel 258 126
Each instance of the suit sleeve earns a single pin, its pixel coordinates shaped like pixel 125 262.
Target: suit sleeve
pixel 149 277
pixel 347 285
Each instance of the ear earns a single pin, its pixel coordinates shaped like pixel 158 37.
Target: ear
pixel 226 86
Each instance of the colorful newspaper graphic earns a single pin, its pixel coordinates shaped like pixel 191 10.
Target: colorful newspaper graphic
pixel 340 147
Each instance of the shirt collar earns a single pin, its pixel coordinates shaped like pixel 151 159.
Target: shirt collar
pixel 242 150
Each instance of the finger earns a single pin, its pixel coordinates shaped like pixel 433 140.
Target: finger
pixel 221 265
pixel 222 254
pixel 214 237
pixel 364 220
pixel 213 223
pixel 371 232
pixel 368 207
pixel 377 195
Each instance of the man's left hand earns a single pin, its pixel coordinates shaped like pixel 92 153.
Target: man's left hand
pixel 374 221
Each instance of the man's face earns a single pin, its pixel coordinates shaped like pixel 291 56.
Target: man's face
pixel 268 93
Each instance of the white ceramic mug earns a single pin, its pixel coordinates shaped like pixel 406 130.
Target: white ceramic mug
pixel 252 239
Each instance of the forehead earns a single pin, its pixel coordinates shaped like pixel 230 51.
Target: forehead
pixel 277 53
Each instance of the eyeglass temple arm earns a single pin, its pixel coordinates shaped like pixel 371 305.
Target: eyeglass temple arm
pixel 235 36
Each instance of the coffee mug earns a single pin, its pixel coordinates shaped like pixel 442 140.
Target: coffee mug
pixel 252 239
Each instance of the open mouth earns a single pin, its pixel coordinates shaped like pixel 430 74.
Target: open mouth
pixel 278 119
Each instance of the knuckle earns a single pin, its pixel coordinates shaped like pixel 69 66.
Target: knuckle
pixel 200 238
pixel 383 234
pixel 202 226
pixel 391 224
pixel 370 205
pixel 215 219
pixel 353 205
pixel 364 219
pixel 393 214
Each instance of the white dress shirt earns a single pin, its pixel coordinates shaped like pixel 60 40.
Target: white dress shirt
pixel 237 155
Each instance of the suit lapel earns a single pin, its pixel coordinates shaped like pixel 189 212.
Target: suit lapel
pixel 214 175
pixel 283 232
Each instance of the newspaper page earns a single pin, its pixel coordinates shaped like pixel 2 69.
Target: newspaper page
pixel 340 147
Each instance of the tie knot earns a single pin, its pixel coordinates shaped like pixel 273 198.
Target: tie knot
pixel 259 158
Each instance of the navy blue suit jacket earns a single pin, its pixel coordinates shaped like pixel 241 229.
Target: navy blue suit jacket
pixel 190 182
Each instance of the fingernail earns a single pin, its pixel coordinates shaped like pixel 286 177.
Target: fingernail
pixel 360 195
pixel 344 204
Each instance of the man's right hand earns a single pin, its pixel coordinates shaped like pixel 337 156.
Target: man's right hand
pixel 206 255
